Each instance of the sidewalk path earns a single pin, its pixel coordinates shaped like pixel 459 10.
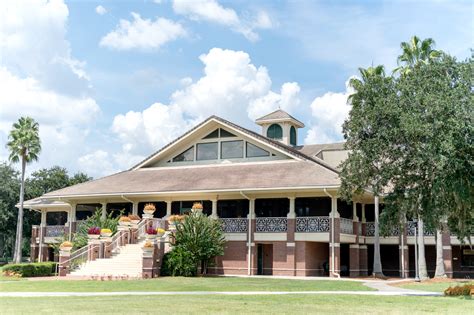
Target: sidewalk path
pixel 400 292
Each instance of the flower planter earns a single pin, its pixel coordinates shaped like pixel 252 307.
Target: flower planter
pixel 124 223
pixel 106 234
pixel 135 221
pixel 151 236
pixel 149 211
pixel 93 236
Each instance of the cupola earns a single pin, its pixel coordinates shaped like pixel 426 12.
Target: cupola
pixel 280 126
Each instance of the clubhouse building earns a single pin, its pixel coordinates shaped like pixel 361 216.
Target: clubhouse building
pixel 278 203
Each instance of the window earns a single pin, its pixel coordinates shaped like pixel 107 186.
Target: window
pixel 467 259
pixel 212 135
pixel 254 151
pixel 225 133
pixel 232 149
pixel 293 135
pixel 275 132
pixel 207 151
pixel 187 155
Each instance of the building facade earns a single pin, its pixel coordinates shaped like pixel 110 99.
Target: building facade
pixel 278 203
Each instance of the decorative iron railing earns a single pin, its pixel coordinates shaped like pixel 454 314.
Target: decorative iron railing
pixel 411 229
pixel 55 230
pixel 347 226
pixel 370 229
pixel 312 224
pixel 272 225
pixel 234 225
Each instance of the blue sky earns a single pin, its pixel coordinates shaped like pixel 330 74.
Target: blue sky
pixel 112 81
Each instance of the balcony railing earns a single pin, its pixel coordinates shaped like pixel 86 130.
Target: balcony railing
pixel 411 230
pixel 234 225
pixel 370 229
pixel 55 230
pixel 346 226
pixel 312 224
pixel 272 225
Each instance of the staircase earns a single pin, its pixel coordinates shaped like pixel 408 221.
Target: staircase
pixel 126 262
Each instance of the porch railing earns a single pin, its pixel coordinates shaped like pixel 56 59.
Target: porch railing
pixel 77 258
pixel 312 224
pixel 271 225
pixel 346 226
pixel 411 230
pixel 55 230
pixel 234 225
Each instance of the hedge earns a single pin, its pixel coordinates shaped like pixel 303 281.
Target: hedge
pixel 466 290
pixel 30 269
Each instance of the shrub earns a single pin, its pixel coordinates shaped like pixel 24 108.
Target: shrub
pixel 179 262
pixel 30 270
pixel 459 290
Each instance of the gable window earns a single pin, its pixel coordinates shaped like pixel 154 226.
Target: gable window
pixel 232 149
pixel 207 151
pixel 219 133
pixel 187 155
pixel 254 151
pixel 275 132
pixel 225 133
pixel 293 135
pixel 212 135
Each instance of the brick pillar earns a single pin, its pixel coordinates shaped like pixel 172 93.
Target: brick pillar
pixel 254 258
pixel 363 260
pixel 336 248
pixel 354 260
pixel 64 263
pixel 291 247
pixel 150 258
pixel 403 253
pixel 34 248
pixel 43 248
pixel 134 234
pixel 447 253
pixel 106 247
pixel 124 235
pixel 93 250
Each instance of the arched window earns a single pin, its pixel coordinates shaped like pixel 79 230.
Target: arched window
pixel 275 132
pixel 293 135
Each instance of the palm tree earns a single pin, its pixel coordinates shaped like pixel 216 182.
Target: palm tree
pixel 24 145
pixel 365 76
pixel 415 53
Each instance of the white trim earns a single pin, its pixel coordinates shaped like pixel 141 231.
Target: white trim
pixel 235 236
pixel 270 236
pixel 290 244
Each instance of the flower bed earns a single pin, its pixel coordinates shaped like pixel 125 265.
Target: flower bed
pixel 464 290
pixel 30 270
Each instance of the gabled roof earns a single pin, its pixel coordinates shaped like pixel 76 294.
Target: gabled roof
pixel 277 116
pixel 314 149
pixel 288 150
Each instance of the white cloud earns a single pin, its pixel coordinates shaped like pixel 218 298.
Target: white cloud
pixel 328 114
pixel 143 34
pixel 40 78
pixel 212 11
pixel 100 10
pixel 231 87
pixel 97 163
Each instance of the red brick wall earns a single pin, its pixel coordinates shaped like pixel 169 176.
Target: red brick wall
pixel 234 260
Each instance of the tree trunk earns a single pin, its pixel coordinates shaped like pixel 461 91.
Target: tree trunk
pixel 421 251
pixel 440 272
pixel 377 268
pixel 19 227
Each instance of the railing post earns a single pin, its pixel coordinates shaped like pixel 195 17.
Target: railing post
pixel 64 262
pixel 93 249
pixel 150 258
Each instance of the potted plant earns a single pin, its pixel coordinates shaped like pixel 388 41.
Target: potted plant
pixel 149 208
pixel 134 219
pixel 160 232
pixel 124 221
pixel 197 207
pixel 106 232
pixel 65 248
pixel 148 247
pixel 93 232
pixel 151 233
pixel 174 219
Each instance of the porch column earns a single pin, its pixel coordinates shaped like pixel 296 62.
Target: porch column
pixel 71 219
pixel 447 253
pixel 135 208
pixel 290 243
pixel 403 252
pixel 214 209
pixel 104 209
pixel 363 262
pixel 251 248
pixel 354 260
pixel 42 247
pixel 335 245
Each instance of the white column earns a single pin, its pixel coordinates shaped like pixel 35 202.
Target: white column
pixel 334 211
pixel 363 212
pixel 354 212
pixel 251 209
pixel 292 213
pixel 41 236
pixel 71 217
pixel 168 208
pixel 43 218
pixel 104 210
pixel 135 208
pixel 214 209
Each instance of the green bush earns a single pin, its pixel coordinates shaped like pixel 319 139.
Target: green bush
pixel 180 262
pixel 30 269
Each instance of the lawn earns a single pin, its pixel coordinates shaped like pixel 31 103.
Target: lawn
pixel 282 304
pixel 182 284
pixel 433 286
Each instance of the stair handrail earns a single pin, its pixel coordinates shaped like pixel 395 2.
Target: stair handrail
pixel 114 242
pixel 78 254
pixel 141 228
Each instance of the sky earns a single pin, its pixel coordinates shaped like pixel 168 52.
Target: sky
pixel 110 82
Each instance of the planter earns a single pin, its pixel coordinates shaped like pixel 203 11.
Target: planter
pixel 160 234
pixel 93 236
pixel 106 234
pixel 135 221
pixel 151 236
pixel 124 223
pixel 148 249
pixel 149 211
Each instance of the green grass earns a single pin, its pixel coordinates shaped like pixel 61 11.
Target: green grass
pixel 433 286
pixel 182 284
pixel 281 304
